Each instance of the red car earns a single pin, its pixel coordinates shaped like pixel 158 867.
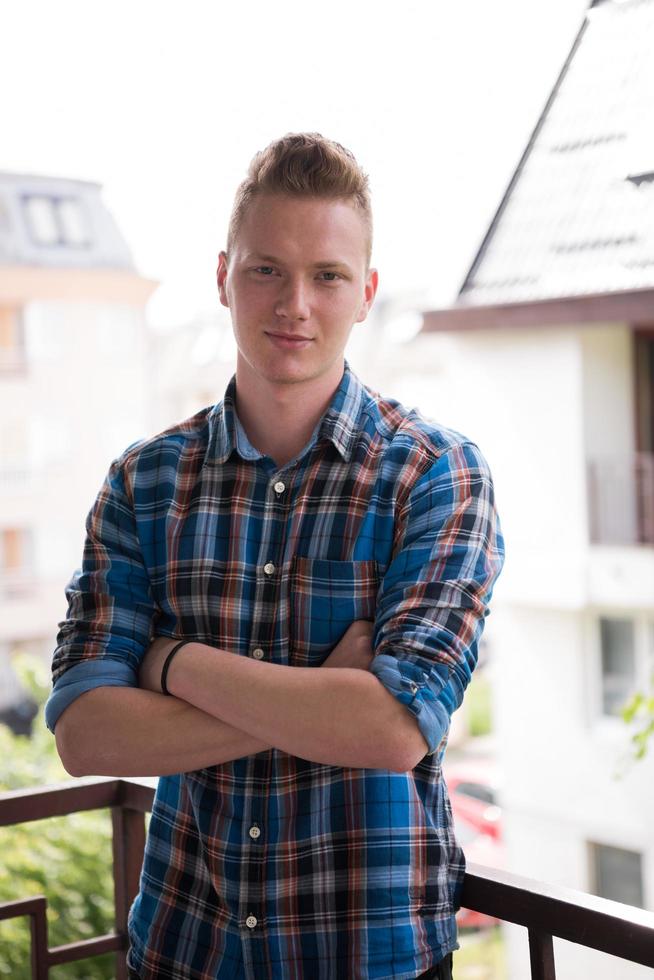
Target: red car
pixel 477 822
pixel 472 788
pixel 479 848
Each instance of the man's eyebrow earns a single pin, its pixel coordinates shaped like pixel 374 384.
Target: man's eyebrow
pixel 273 260
pixel 336 264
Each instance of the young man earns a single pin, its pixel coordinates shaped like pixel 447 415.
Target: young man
pixel 278 610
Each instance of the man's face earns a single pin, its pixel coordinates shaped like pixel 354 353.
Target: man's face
pixel 295 282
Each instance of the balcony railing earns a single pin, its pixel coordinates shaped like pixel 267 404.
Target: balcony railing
pixel 13 361
pixel 621 500
pixel 16 480
pixel 544 910
pixel 18 584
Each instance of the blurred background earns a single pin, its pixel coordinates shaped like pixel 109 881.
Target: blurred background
pixel 511 157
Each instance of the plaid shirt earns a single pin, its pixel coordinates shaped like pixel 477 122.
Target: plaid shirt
pixel 272 867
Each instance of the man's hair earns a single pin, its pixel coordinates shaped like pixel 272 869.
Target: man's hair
pixel 304 165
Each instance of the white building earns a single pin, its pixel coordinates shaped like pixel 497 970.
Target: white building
pixel 191 366
pixel 547 359
pixel 73 387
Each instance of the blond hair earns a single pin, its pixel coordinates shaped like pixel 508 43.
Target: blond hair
pixel 304 165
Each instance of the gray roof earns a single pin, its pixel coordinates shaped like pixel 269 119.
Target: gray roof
pixel 58 222
pixel 578 215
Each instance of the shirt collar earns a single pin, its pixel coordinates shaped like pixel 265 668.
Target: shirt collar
pixel 339 425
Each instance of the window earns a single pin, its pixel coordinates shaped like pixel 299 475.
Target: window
pixel 15 549
pixel 618 663
pixel 42 220
pixel 16 561
pixel 71 220
pixel 617 874
pixel 56 221
pixel 12 342
pixel 5 223
pixel 626 660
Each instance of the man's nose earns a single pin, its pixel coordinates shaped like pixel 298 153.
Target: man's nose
pixel 293 300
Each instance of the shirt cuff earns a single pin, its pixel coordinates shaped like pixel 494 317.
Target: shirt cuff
pixel 84 677
pixel 410 685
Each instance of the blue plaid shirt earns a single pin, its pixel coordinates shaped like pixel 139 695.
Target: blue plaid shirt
pixel 272 867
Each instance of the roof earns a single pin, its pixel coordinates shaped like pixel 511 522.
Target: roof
pixel 634 306
pixel 578 215
pixel 58 222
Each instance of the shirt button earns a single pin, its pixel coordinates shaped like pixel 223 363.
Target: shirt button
pixel 251 921
pixel 254 832
pixel 413 688
pixel 258 654
pixel 269 568
pixel 279 487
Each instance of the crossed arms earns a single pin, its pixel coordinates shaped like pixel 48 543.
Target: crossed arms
pixel 225 707
pixel 384 712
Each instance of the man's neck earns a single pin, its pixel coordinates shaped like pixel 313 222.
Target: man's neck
pixel 279 419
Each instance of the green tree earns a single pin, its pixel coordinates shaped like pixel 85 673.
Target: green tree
pixel 638 713
pixel 67 859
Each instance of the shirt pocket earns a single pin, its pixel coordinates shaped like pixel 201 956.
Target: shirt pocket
pixel 326 597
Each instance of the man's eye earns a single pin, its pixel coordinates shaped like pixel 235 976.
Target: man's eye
pixel 265 270
pixel 330 276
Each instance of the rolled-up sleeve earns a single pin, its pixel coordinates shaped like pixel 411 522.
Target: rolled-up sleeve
pixel 434 597
pixel 110 605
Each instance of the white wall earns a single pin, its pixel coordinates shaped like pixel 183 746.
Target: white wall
pixel 519 395
pixel 608 390
pixel 568 779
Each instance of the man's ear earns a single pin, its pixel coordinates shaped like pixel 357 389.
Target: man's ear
pixel 221 278
pixel 369 292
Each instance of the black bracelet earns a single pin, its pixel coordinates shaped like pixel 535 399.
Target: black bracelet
pixel 167 662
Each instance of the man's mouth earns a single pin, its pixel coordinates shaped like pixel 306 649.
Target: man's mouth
pixel 288 340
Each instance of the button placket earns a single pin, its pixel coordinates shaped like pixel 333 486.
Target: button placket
pixel 268 576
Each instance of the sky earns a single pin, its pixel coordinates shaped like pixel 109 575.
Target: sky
pixel 164 104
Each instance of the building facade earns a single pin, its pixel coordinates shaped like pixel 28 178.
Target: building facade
pixel 73 387
pixel 547 358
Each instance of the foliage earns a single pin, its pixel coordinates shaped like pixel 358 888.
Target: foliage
pixel 482 955
pixel 639 714
pixel 68 859
pixel 479 704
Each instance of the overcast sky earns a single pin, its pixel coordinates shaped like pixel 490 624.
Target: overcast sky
pixel 164 103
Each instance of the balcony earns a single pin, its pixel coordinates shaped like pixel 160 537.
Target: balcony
pixel 621 500
pixel 16 480
pixel 16 584
pixel 13 362
pixel 543 910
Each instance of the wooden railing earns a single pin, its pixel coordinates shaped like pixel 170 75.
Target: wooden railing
pixel 544 910
pixel 129 800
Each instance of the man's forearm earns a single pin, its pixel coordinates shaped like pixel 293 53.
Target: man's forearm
pixel 341 717
pixel 123 731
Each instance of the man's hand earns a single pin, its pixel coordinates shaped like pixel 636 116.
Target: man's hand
pixel 153 661
pixel 354 649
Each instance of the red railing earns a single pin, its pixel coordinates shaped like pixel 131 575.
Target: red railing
pixel 544 910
